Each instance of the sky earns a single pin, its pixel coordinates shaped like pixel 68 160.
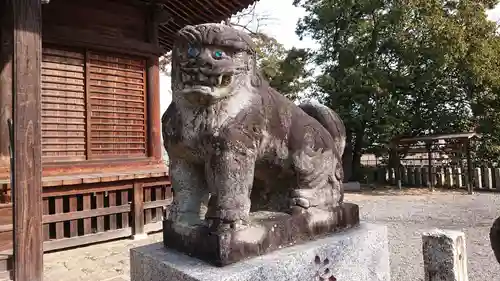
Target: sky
pixel 283 20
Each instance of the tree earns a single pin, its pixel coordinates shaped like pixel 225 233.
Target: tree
pixel 284 69
pixel 401 67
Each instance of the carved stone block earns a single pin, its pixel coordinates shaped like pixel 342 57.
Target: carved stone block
pixel 360 253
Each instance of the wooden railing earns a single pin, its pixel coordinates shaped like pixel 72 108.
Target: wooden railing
pixel 90 213
pixel 107 208
pixel 482 178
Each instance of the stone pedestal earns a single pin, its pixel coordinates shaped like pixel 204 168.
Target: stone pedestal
pixel 266 232
pixel 359 253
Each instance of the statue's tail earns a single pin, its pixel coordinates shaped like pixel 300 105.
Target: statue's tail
pixel 333 124
pixel 495 238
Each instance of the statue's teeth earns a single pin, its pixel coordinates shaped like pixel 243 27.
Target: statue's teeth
pixel 219 80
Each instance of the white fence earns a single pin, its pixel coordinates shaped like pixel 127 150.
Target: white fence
pixel 482 178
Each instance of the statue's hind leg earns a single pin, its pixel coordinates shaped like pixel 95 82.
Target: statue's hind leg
pixel 317 186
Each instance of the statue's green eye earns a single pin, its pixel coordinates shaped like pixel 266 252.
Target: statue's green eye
pixel 218 54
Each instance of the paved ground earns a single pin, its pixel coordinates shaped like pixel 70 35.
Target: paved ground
pixel 406 215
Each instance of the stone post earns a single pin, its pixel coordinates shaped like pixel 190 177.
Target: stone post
pixel 411 176
pixel 449 177
pixel 434 176
pixel 392 176
pixel 458 177
pixel 418 177
pixel 425 177
pixel 488 178
pixel 497 178
pixel 478 181
pixel 404 176
pixel 445 256
pixel 440 177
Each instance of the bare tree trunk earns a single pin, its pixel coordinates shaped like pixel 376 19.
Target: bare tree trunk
pixel 347 158
pixel 357 153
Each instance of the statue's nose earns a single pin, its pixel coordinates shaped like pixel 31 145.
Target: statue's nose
pixel 205 58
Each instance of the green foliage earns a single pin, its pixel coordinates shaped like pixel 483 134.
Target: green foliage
pixel 406 67
pixel 284 69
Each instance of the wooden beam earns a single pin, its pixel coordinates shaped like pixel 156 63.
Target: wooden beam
pixel 81 39
pixel 6 49
pixel 27 175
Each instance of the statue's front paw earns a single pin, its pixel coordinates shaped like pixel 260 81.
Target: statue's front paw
pixel 219 225
pixel 300 202
pixel 225 220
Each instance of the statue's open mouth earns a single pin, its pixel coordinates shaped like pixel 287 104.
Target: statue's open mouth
pixel 208 82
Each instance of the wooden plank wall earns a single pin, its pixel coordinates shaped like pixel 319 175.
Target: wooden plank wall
pixel 93 105
pixel 63 105
pixel 117 93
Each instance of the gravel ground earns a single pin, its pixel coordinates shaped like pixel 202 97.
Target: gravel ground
pixel 408 214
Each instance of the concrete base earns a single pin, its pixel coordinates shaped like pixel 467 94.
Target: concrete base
pixel 361 253
pixel 140 236
pixel 352 186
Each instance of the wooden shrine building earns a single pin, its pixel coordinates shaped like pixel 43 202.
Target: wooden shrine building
pixel 80 80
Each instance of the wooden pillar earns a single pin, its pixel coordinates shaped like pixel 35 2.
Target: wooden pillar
pixel 429 168
pixel 6 51
pixel 138 212
pixel 27 174
pixel 469 167
pixel 153 88
pixel 154 118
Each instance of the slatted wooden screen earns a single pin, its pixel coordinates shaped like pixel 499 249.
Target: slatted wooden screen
pixel 117 104
pixel 93 105
pixel 63 105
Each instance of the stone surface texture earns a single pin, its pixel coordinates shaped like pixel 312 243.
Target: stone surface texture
pixel 267 232
pixel 357 254
pixel 237 146
pixel 445 255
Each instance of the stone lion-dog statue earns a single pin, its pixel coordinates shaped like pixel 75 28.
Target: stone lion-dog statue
pixel 237 146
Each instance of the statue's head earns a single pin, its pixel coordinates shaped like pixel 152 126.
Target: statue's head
pixel 210 62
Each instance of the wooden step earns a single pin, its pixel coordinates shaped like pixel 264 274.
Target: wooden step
pixel 5 227
pixel 6 267
pixel 6 276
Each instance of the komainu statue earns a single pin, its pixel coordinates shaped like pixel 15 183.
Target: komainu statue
pixel 251 171
pixel 495 238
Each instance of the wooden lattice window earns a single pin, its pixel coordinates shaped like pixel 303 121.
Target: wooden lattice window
pixel 93 105
pixel 63 105
pixel 117 104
